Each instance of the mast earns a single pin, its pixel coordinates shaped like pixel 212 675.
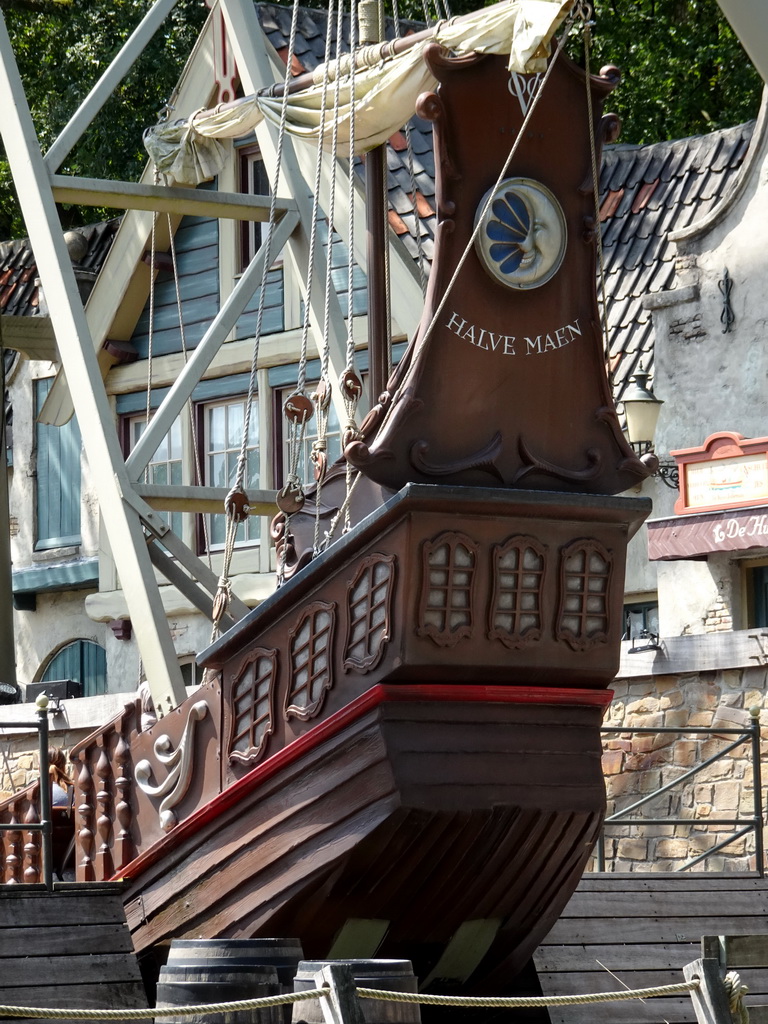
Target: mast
pixel 370 17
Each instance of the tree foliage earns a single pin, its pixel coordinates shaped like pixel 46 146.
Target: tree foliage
pixel 684 69
pixel 684 73
pixel 61 49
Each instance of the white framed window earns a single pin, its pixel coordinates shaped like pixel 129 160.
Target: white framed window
pixel 223 425
pixel 306 468
pixel 58 478
pixel 166 465
pixel 253 181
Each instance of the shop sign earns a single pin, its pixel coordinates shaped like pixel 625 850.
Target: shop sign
pixel 727 471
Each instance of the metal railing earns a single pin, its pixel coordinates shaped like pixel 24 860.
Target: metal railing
pixel 45 825
pixel 748 734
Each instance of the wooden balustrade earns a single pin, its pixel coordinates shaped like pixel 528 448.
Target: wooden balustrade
pixel 111 793
pixel 20 850
pixel 104 798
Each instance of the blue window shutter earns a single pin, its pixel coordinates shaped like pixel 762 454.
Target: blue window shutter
pixel 58 478
pixel 84 662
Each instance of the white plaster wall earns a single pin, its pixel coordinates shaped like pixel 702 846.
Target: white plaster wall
pixel 21 491
pixel 686 591
pixel 641 574
pixel 710 381
pixel 191 634
pixel 60 617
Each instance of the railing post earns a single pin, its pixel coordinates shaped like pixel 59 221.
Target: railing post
pixel 46 816
pixel 757 791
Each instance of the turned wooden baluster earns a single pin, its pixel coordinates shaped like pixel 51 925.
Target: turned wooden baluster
pixel 85 812
pixel 103 810
pixel 33 843
pixel 122 800
pixel 13 859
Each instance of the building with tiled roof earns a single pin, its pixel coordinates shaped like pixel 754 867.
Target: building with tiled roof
pixel 20 293
pixel 26 326
pixel 646 193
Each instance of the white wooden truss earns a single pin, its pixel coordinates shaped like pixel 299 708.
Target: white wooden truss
pixel 139 538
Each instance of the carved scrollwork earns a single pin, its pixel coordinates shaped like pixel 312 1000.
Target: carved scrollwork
pixel 482 460
pixel 252 706
pixel 518 580
pixel 179 764
pixel 311 646
pixel 369 600
pixel 533 464
pixel 585 580
pixel 446 612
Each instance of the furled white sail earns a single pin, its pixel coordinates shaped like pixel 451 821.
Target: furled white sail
pixel 386 90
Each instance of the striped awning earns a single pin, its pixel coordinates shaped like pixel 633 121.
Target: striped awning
pixel 698 535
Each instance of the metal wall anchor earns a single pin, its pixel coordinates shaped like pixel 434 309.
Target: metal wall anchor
pixel 727 316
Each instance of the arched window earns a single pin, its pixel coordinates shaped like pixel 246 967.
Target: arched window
pixel 82 661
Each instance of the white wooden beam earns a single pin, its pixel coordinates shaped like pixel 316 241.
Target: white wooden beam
pixel 75 345
pixel 130 51
pixel 183 583
pixel 200 575
pixel 126 195
pixel 210 500
pixel 253 63
pixel 749 20
pixel 211 342
pixel 32 335
pixel 117 287
pixel 198 571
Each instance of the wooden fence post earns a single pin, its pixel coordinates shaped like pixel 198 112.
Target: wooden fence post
pixel 710 1000
pixel 339 1003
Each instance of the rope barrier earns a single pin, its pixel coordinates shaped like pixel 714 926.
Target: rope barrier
pixel 520 1001
pixel 166 1011
pixel 509 1002
pixel 736 992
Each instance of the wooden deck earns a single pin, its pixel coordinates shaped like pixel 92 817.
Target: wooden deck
pixel 644 928
pixel 67 949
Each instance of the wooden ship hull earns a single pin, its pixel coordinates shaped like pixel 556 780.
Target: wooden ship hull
pixel 411 815
pixel 385 759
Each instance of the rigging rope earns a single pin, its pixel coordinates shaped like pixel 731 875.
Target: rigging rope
pixel 585 12
pixel 350 383
pixel 323 394
pixel 192 425
pixel 298 408
pixel 510 1002
pixel 234 505
pixel 151 331
pixel 736 992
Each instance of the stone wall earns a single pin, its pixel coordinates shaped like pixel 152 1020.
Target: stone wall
pixel 19 758
pixel 73 721
pixel 637 765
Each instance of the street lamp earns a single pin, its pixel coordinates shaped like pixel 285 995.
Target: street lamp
pixel 642 408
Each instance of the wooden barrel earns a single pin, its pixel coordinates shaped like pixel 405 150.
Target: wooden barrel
pixel 392 975
pixel 218 982
pixel 235 957
pixel 282 954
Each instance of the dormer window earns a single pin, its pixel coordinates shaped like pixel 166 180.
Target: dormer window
pixel 252 180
